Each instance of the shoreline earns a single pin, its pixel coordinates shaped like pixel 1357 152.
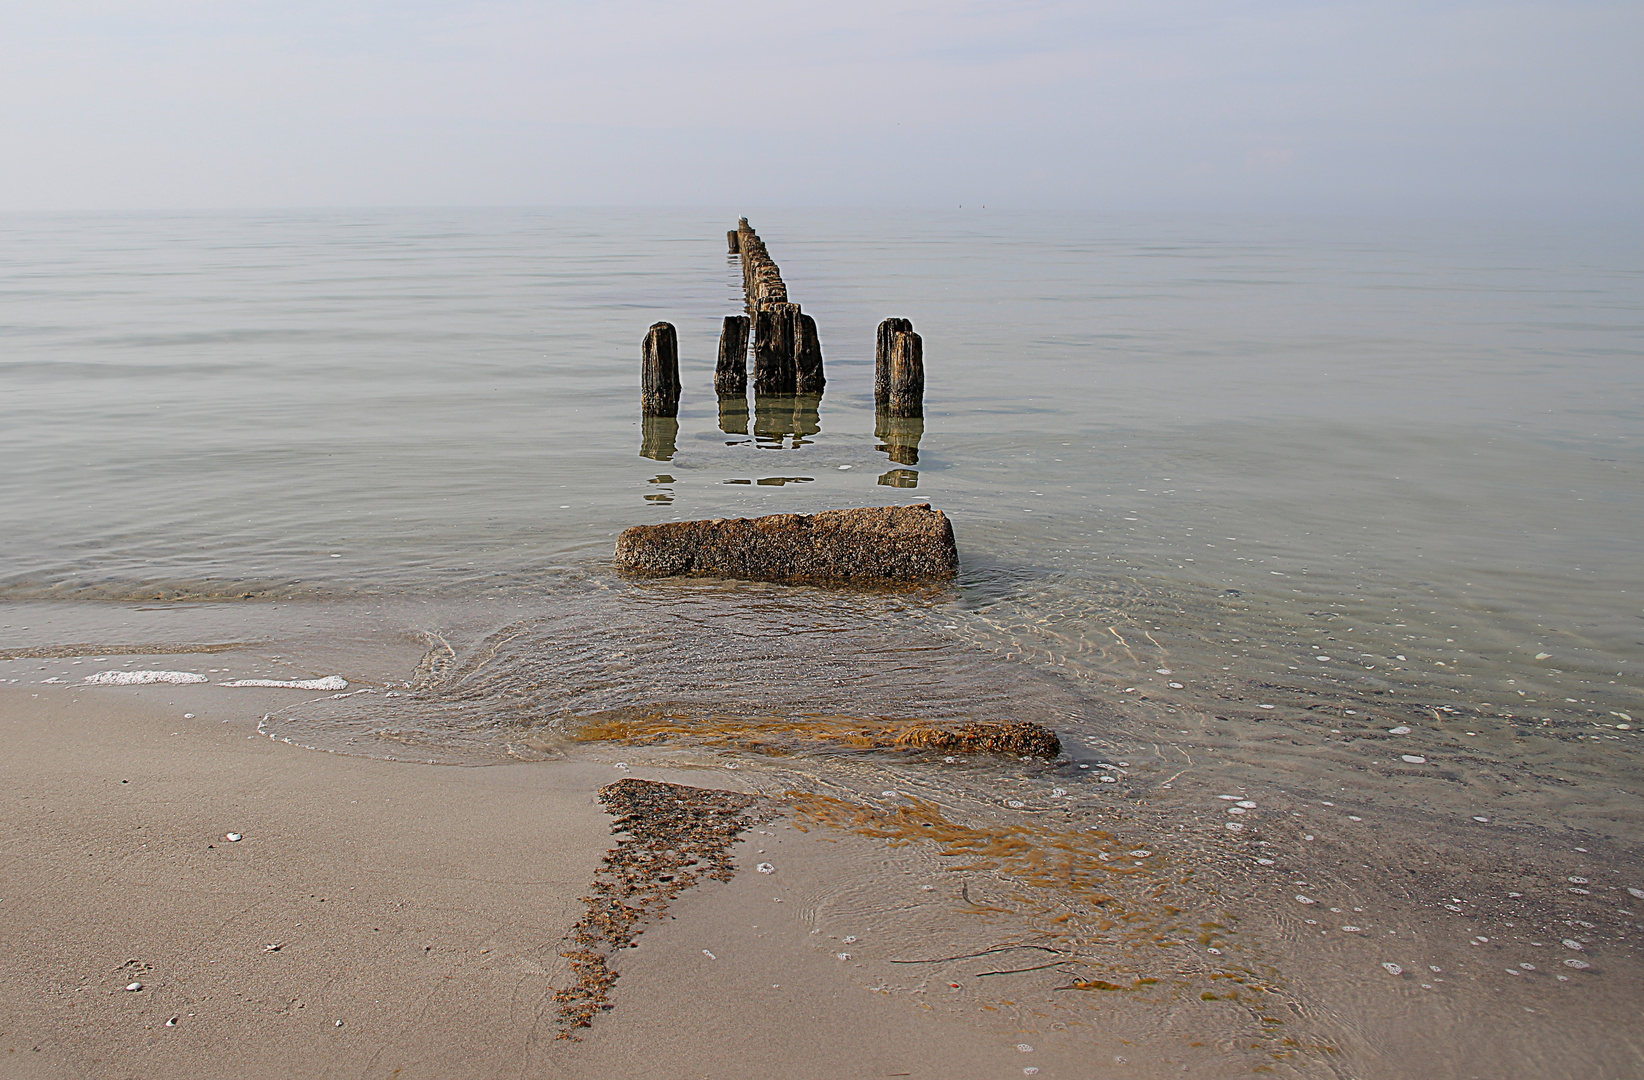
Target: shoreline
pixel 417 912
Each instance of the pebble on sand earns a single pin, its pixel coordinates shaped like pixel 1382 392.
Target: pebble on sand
pixel 1393 969
pixel 233 837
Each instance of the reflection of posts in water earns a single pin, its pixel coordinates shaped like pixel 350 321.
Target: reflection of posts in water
pixel 731 372
pixel 904 478
pixel 881 358
pixel 733 414
pixel 659 437
pixel 659 372
pixel 899 436
pixel 779 415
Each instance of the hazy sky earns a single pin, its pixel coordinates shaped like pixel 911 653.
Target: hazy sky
pixel 1436 107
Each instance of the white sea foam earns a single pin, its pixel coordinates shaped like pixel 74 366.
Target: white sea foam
pixel 330 682
pixel 142 678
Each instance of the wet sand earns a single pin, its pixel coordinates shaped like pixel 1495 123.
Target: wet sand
pixel 391 919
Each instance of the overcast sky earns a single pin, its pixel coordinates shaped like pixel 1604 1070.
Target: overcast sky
pixel 1385 107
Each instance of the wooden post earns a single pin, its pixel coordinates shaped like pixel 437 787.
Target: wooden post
pixel 881 358
pixel 731 373
pixel 659 372
pixel 807 356
pixel 730 239
pixel 907 375
pixel 773 338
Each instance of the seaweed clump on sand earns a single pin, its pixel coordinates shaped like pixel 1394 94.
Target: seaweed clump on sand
pixel 676 836
pixel 786 735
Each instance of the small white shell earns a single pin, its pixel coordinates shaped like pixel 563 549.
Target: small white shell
pixel 233 837
pixel 765 868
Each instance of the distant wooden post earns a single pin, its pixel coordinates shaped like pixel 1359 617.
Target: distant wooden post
pixel 659 372
pixel 907 375
pixel 774 326
pixel 731 373
pixel 731 240
pixel 881 358
pixel 807 356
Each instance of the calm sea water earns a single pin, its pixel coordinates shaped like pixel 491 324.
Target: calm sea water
pixel 1348 510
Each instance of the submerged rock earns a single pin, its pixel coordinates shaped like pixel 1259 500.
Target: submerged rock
pixel 983 737
pixel 872 545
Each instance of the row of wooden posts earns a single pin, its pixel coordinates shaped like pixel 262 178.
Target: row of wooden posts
pixel 787 354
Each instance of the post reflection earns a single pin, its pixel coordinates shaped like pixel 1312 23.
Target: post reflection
pixel 733 414
pixel 659 437
pixel 778 416
pixel 899 437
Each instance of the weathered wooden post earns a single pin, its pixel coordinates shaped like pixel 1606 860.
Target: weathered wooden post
pixel 807 356
pixel 659 372
pixel 731 372
pixel 907 375
pixel 731 240
pixel 774 326
pixel 881 358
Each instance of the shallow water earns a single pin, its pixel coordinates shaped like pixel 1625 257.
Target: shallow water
pixel 1340 517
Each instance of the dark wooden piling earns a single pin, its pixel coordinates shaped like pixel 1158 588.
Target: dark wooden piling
pixel 731 372
pixel 731 241
pixel 881 358
pixel 774 330
pixel 907 375
pixel 807 356
pixel 659 372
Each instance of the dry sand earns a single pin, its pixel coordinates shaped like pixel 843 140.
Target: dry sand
pixel 385 919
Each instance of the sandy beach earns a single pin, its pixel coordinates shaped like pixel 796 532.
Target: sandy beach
pixel 386 919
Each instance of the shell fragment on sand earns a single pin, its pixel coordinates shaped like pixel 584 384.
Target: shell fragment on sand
pixel 142 678
pixel 330 682
pixel 872 545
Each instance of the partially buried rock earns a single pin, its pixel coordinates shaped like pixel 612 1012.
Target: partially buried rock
pixel 984 737
pixel 874 546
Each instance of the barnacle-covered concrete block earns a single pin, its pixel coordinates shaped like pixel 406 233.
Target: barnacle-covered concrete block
pixel 877 545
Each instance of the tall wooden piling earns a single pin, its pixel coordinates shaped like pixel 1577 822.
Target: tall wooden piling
pixel 774 330
pixel 731 372
pixel 881 358
pixel 731 241
pixel 807 356
pixel 659 372
pixel 907 375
